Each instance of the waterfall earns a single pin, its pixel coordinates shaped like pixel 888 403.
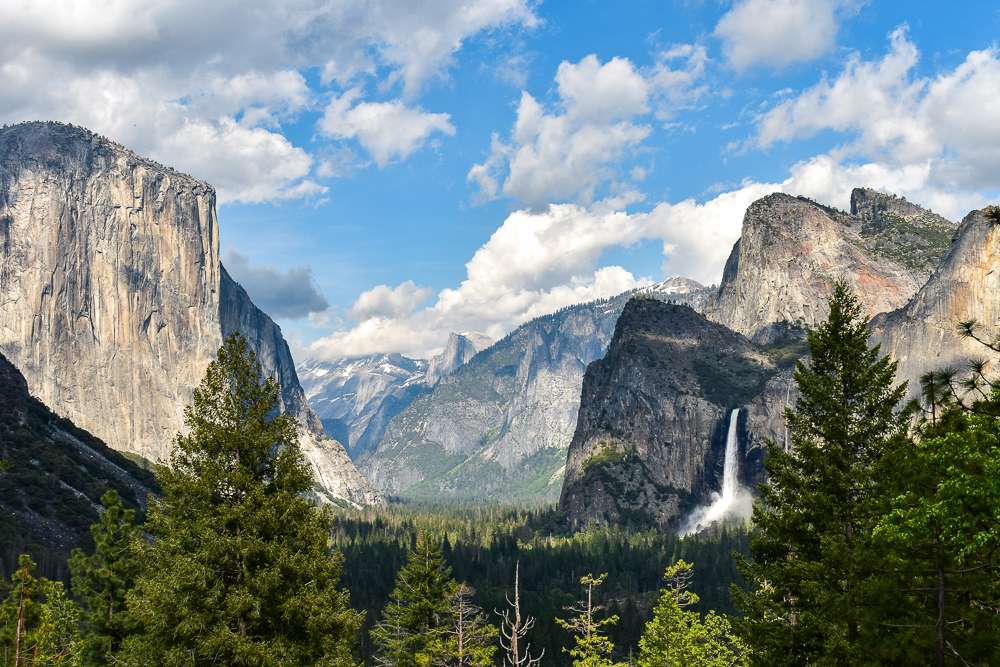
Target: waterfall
pixel 735 500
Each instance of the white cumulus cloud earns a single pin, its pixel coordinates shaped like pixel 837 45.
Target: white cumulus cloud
pixel 155 75
pixel 387 130
pixel 944 127
pixel 779 32
pixel 569 151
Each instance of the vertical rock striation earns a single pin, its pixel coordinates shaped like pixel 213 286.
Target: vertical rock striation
pixel 792 250
pixel 651 432
pixel 922 336
pixel 112 297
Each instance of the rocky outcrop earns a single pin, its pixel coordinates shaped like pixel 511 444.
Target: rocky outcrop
pixel 356 398
pixel 461 348
pixel 499 426
pixel 54 474
pixel 922 336
pixel 113 300
pixel 792 250
pixel 650 436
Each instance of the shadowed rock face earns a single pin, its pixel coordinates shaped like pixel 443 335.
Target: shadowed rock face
pixel 460 348
pixel 650 435
pixel 499 426
pixel 113 300
pixel 791 252
pixel 922 335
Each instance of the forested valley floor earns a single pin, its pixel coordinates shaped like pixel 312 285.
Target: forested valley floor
pixel 483 545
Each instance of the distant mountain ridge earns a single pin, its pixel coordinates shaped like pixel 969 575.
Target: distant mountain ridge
pixel 113 299
pixel 498 428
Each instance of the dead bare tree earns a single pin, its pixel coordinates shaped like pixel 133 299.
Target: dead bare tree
pixel 514 628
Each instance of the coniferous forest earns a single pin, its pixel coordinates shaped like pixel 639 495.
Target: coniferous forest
pixel 874 542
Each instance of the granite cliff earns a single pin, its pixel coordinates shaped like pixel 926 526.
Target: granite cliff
pixel 782 270
pixel 654 414
pixel 113 300
pixel 53 476
pixel 499 426
pixel 922 335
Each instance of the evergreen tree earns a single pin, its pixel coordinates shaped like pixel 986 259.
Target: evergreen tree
pixel 239 572
pixel 103 579
pixel 468 640
pixel 942 532
pixel 593 648
pixel 38 623
pixel 419 610
pixel 811 557
pixel 678 637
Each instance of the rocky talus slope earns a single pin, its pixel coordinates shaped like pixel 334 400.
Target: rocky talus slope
pixel 53 476
pixel 651 432
pixel 113 300
pixel 792 250
pixel 498 428
pixel 922 335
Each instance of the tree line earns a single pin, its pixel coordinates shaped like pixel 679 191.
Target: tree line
pixel 873 542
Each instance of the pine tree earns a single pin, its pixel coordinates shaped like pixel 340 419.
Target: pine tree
pixel 467 639
pixel 102 580
pixel 239 572
pixel 38 623
pixel 419 610
pixel 811 557
pixel 678 637
pixel 593 648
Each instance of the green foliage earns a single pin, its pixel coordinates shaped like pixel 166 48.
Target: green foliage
pixel 810 556
pixel 484 544
pixel 418 610
pixel 678 636
pixel 102 580
pixel 53 474
pixel 238 573
pixel 467 640
pixel 609 455
pixel 940 534
pixel 593 648
pixel 38 623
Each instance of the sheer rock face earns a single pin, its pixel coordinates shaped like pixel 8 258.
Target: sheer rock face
pixel 922 335
pixel 651 431
pixel 112 297
pixel 461 348
pixel 782 270
pixel 499 426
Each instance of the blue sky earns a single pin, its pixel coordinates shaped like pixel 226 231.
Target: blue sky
pixel 392 170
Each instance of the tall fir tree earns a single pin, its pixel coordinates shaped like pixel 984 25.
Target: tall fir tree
pixel 811 557
pixel 101 581
pixel 239 572
pixel 678 637
pixel 592 648
pixel 419 610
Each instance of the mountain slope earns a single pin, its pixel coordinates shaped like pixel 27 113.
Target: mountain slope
pixel 499 426
pixel 791 251
pixel 54 474
pixel 113 300
pixel 650 437
pixel 922 335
